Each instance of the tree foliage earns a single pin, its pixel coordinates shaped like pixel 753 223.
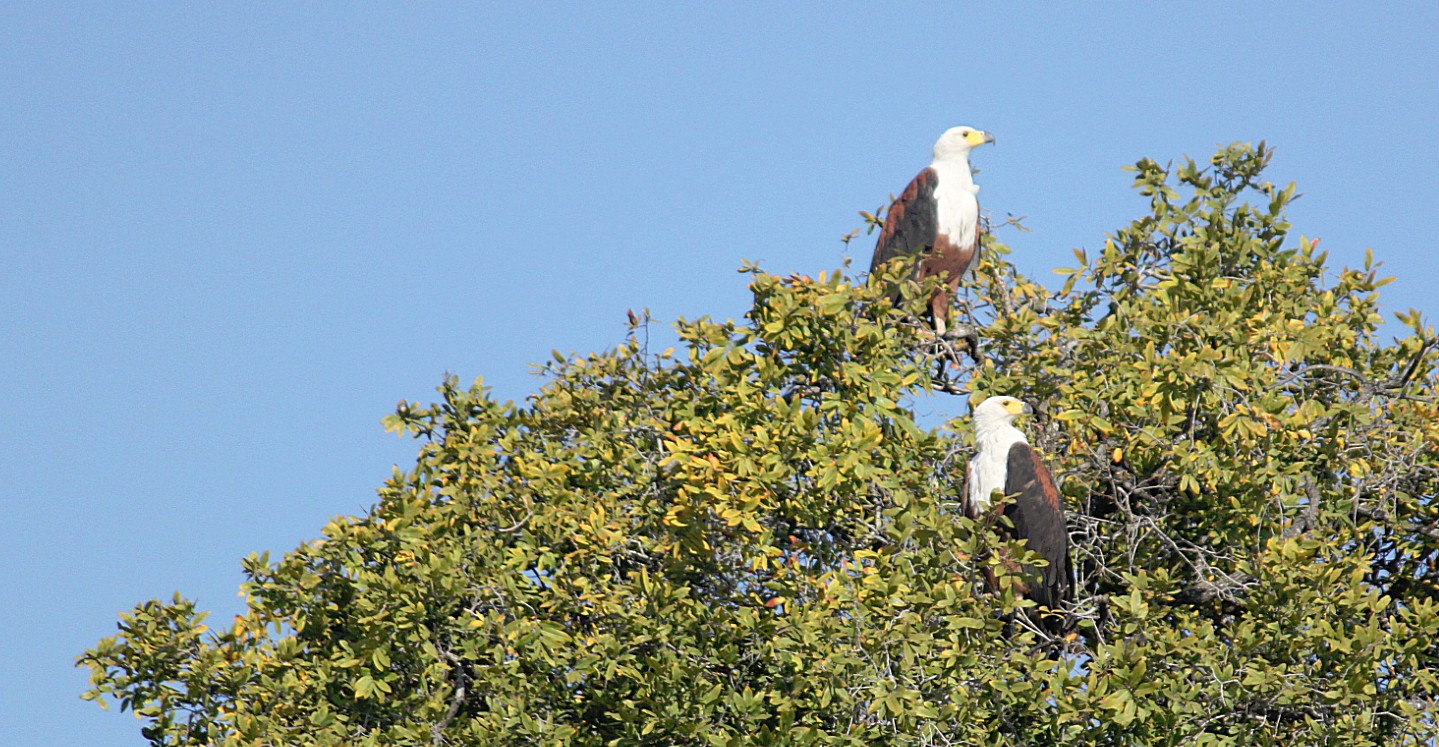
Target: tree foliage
pixel 750 540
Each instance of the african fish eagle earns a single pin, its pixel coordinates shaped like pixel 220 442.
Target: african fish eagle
pixel 938 214
pixel 1004 462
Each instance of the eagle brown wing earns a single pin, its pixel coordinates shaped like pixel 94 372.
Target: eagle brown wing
pixel 912 227
pixel 912 222
pixel 1038 516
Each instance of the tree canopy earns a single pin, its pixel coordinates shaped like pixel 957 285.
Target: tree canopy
pixel 749 540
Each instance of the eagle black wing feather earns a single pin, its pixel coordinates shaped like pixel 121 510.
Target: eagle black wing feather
pixel 912 222
pixel 1038 516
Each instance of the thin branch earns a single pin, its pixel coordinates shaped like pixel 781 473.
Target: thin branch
pixel 1204 591
pixel 1430 530
pixel 529 514
pixel 1409 372
pixel 947 386
pixel 437 732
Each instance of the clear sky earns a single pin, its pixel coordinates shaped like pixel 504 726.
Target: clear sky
pixel 234 235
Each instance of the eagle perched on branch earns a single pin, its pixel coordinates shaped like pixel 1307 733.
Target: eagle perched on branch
pixel 937 216
pixel 1005 463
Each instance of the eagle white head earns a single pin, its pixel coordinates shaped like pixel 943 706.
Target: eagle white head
pixel 956 142
pixel 999 410
pixel 994 435
pixel 995 417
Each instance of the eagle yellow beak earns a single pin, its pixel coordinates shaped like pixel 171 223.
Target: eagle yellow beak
pixel 1018 407
pixel 978 137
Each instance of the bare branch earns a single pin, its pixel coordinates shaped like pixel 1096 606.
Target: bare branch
pixel 457 698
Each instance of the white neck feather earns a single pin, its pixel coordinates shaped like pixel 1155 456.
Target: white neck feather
pixel 955 200
pixel 998 434
pixel 989 468
pixel 954 170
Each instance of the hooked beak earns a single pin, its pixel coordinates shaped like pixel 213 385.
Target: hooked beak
pixel 988 138
pixel 1028 409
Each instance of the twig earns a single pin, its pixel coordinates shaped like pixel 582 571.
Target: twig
pixel 1413 367
pixel 1380 515
pixel 529 514
pixel 437 732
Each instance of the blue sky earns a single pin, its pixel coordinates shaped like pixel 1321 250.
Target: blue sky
pixel 234 237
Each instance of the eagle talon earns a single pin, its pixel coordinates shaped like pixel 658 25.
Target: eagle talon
pixel 973 344
pixel 969 335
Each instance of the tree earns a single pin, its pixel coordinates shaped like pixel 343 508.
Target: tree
pixel 749 540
